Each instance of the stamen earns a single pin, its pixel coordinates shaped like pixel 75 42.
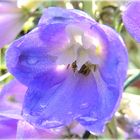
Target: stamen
pixel 82 53
pixel 68 66
pixel 85 70
pixel 74 66
pixel 94 68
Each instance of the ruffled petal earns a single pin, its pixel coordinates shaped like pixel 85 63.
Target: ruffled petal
pixel 131 19
pixel 113 71
pixel 36 52
pixel 28 56
pixel 109 80
pixel 75 96
pixel 115 66
pixel 64 16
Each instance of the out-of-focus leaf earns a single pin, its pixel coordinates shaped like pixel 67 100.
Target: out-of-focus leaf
pixel 29 24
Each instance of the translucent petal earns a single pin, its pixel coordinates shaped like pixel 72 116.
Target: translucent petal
pixel 71 98
pixel 11 22
pixel 131 19
pixel 7 128
pixel 77 97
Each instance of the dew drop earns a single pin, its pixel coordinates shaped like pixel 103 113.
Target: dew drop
pixel 43 106
pixel 51 123
pixel 87 120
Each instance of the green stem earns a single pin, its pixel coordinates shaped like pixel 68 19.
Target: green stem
pixel 131 79
pixel 111 130
pixel 3 77
pixel 87 7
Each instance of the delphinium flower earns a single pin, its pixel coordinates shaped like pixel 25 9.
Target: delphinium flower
pixel 11 22
pixel 74 69
pixel 131 19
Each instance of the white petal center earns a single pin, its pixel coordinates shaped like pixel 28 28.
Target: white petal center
pixel 82 48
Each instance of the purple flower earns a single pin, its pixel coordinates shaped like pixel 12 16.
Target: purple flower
pixel 11 22
pixel 7 127
pixel 131 19
pixel 74 69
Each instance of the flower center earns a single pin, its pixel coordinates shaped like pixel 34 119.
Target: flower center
pixel 85 69
pixel 83 51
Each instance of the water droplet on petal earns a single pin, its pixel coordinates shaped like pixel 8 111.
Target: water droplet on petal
pixel 51 123
pixel 87 120
pixel 84 105
pixel 43 106
pixel 25 114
